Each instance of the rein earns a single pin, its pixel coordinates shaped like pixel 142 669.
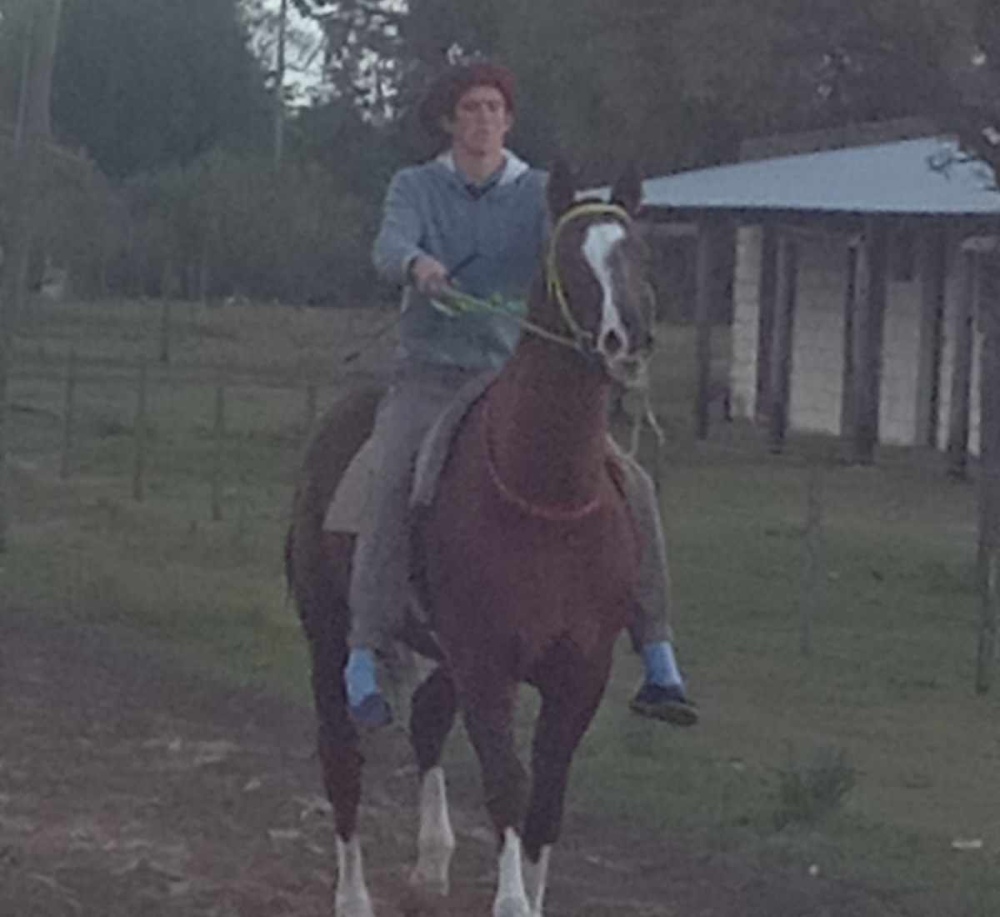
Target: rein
pixel 578 339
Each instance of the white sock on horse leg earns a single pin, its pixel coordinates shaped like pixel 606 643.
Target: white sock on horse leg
pixel 352 898
pixel 661 664
pixel 511 901
pixel 536 877
pixel 436 841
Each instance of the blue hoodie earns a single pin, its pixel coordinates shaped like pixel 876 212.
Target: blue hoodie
pixel 489 236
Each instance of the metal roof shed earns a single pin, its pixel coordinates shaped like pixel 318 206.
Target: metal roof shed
pixel 872 187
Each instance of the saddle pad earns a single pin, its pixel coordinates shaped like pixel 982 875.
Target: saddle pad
pixel 436 445
pixel 347 509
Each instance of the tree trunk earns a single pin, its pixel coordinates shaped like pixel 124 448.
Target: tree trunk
pixel 43 63
pixel 33 128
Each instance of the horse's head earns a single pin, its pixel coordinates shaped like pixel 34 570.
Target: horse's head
pixel 595 277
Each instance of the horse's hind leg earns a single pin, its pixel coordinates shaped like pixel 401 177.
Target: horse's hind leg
pixel 431 719
pixel 341 762
pixel 337 741
pixel 571 692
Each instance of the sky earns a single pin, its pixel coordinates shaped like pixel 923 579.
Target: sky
pixel 304 54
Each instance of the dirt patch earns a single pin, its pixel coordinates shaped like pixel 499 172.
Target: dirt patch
pixel 129 787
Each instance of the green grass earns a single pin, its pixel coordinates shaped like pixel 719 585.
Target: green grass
pixel 887 691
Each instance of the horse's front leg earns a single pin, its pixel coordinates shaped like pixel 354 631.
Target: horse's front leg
pixel 431 719
pixel 571 690
pixel 488 708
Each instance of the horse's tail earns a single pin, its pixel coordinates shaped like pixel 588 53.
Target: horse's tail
pixel 315 579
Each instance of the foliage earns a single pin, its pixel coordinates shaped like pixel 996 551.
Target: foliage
pixel 142 84
pixel 672 83
pixel 229 225
pixel 809 790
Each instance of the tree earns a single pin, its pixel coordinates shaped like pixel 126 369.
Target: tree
pixel 141 84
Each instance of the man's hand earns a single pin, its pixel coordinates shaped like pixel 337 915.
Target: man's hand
pixel 429 275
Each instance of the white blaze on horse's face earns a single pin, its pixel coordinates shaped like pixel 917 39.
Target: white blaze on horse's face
pixel 612 340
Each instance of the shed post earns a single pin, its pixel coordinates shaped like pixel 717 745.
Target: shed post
pixel 868 338
pixel 933 274
pixel 766 304
pixel 961 377
pixel 784 331
pixel 853 267
pixel 708 267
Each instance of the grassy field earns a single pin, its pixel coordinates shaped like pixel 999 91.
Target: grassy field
pixel 868 759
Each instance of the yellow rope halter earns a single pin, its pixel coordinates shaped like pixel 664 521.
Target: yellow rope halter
pixel 581 339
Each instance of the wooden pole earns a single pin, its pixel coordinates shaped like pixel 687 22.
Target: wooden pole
pixel 989 479
pixel 813 539
pixel 869 333
pixel 784 335
pixel 219 436
pixel 166 315
pixel 311 407
pixel 141 433
pixel 961 376
pixel 69 417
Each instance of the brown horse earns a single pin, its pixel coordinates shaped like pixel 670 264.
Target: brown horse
pixel 525 560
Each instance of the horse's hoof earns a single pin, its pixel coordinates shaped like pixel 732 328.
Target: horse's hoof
pixel 424 884
pixel 421 901
pixel 353 906
pixel 668 704
pixel 511 907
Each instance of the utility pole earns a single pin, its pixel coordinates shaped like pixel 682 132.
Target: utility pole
pixel 279 87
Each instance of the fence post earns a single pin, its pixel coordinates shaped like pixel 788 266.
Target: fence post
pixel 219 438
pixel 813 539
pixel 311 403
pixel 986 657
pixel 69 416
pixel 166 312
pixel 141 433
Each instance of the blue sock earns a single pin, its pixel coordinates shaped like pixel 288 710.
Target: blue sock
pixel 359 676
pixel 661 665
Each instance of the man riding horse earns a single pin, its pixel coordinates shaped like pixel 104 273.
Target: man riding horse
pixel 473 219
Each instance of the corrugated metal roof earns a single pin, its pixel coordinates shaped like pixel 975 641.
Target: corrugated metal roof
pixel 901 177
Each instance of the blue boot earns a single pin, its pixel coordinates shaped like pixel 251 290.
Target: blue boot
pixel 662 695
pixel 366 705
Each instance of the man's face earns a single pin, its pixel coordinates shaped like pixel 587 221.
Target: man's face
pixel 481 122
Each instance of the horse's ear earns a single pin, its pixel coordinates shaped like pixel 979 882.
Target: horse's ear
pixel 562 188
pixel 627 191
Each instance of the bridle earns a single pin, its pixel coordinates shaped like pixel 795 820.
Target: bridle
pixel 578 338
